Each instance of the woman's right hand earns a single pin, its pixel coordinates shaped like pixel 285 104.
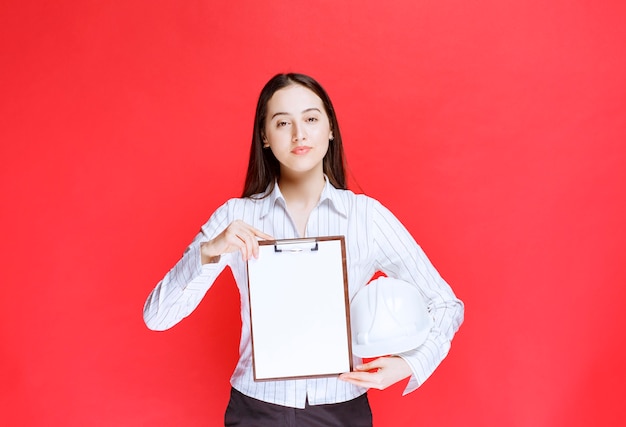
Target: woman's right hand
pixel 238 236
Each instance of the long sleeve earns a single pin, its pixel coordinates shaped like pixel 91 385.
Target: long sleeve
pixel 401 257
pixel 375 240
pixel 184 286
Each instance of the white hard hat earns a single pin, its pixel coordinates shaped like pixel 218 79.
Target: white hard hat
pixel 388 316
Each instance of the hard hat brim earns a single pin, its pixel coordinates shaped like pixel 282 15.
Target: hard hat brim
pixel 387 348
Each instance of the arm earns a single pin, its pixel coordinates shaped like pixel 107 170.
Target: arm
pixel 181 290
pixel 184 286
pixel 399 256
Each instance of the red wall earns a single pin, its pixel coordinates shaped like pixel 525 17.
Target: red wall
pixel 495 130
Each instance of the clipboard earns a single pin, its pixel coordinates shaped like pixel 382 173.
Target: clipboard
pixel 299 309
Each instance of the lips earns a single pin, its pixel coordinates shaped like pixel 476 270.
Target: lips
pixel 301 150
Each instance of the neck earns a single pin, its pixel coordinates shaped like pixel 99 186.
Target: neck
pixel 303 190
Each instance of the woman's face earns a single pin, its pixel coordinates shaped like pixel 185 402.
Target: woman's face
pixel 297 130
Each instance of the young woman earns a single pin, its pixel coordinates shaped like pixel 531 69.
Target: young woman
pixel 295 187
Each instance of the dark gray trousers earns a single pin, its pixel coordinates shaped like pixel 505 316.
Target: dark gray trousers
pixel 249 412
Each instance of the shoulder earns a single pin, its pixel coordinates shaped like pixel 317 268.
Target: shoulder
pixel 237 204
pixel 356 201
pixel 246 209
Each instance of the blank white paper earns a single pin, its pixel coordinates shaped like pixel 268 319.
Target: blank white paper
pixel 300 324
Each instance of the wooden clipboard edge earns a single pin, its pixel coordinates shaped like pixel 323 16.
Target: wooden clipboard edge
pixel 346 294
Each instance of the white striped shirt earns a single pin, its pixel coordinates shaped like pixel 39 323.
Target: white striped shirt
pixel 375 241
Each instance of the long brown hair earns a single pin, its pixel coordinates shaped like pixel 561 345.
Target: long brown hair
pixel 263 167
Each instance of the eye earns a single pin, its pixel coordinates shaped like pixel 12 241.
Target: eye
pixel 312 119
pixel 281 123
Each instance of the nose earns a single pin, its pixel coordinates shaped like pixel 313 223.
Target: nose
pixel 299 133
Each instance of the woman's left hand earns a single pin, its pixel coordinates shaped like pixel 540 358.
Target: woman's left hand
pixel 379 373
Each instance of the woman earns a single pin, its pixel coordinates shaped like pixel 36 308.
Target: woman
pixel 296 187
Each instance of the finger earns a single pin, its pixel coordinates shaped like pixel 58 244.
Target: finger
pixel 255 248
pixel 361 379
pixel 236 242
pixel 366 367
pixel 254 243
pixel 243 247
pixel 262 235
pixel 242 226
pixel 243 237
pixel 358 376
pixel 249 241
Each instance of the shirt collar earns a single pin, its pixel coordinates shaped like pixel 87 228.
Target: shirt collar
pixel 329 193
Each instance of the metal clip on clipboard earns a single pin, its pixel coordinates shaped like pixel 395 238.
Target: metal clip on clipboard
pixel 296 245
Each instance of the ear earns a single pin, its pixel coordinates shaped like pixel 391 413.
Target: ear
pixel 331 136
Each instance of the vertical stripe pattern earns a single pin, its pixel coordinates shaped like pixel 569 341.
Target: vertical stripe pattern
pixel 375 241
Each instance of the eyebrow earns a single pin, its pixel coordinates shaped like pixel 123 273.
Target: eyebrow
pixel 303 112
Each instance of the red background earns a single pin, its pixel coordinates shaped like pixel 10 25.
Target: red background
pixel 494 130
